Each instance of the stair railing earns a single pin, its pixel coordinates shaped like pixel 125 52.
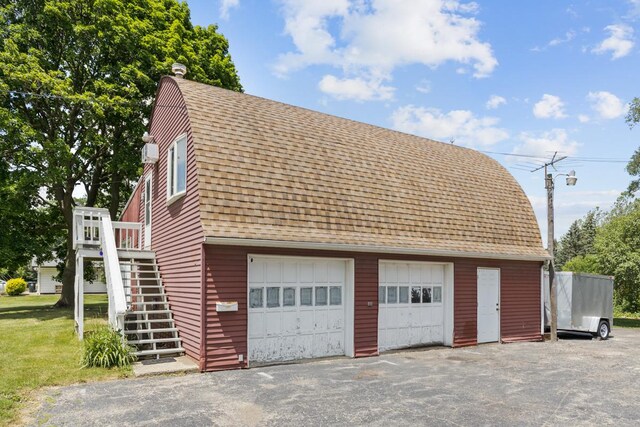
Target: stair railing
pixel 115 287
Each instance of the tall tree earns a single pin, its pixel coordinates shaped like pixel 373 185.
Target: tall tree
pixel 633 167
pixel 617 248
pixel 26 232
pixel 570 244
pixel 76 86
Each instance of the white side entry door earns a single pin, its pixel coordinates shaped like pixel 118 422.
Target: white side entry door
pixel 488 305
pixel 148 194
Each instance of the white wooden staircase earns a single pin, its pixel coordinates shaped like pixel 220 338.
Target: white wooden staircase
pixel 138 305
pixel 148 324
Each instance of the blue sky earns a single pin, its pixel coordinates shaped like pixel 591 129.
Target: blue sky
pixel 522 77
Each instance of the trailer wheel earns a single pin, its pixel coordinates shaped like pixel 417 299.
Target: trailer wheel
pixel 603 330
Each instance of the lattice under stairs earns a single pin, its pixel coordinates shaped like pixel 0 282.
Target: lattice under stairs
pixel 149 324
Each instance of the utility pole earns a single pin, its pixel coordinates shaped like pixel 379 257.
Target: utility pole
pixel 549 185
pixel 553 300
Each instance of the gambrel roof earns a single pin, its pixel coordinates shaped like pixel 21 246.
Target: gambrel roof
pixel 271 172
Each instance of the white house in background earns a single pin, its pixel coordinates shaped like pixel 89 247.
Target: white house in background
pixel 47 285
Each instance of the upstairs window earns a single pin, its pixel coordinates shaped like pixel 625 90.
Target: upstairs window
pixel 177 168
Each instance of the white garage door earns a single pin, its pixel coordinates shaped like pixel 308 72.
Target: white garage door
pixel 296 308
pixel 410 304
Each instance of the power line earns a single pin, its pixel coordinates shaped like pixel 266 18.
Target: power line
pixel 568 158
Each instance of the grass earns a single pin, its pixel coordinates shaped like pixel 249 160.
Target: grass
pixel 625 319
pixel 39 348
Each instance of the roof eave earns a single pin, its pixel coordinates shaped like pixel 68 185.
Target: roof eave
pixel 285 244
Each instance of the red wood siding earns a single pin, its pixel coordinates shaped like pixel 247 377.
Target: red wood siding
pixel 226 280
pixel 176 231
pixel 519 300
pixel 226 333
pixel 365 318
pixel 131 212
pixel 520 289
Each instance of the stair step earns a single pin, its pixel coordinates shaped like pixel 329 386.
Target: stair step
pixel 149 331
pixel 140 273
pixel 148 295
pixel 156 287
pixel 167 311
pixel 139 264
pixel 159 351
pixel 145 303
pixel 144 286
pixel 152 340
pixel 131 322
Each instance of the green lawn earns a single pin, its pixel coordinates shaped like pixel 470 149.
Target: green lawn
pixel 38 348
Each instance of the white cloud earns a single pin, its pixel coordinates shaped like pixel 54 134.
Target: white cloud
pixel 550 106
pixel 494 102
pixel 546 143
pixel 607 105
pixel 348 35
pixel 357 89
pixel 226 6
pixel 424 86
pixel 461 126
pixel 619 43
pixel 634 11
pixel 583 118
pixel 568 36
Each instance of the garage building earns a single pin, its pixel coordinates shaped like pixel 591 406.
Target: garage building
pixel 282 233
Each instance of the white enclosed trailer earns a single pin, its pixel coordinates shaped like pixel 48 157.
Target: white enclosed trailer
pixel 585 303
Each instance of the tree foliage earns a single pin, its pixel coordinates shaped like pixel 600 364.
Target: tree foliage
pixel 76 88
pixel 583 264
pixel 633 167
pixel 578 240
pixel 617 248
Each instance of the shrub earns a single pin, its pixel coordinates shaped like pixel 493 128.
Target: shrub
pixel 105 348
pixel 15 287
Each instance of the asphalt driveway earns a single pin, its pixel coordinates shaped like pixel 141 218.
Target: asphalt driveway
pixel 572 382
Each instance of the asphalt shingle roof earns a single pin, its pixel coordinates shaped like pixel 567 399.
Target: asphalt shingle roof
pixel 272 171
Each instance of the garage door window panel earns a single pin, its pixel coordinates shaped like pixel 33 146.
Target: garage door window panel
pixel 289 297
pixel 335 295
pixel 256 299
pixel 306 297
pixel 273 297
pixel 403 297
pixel 392 294
pixel 437 294
pixel 426 295
pixel 382 295
pixel 321 295
pixel 415 294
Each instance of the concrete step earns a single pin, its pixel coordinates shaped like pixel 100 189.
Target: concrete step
pixel 165 365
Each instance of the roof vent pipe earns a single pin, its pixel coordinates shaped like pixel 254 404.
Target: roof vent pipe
pixel 179 70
